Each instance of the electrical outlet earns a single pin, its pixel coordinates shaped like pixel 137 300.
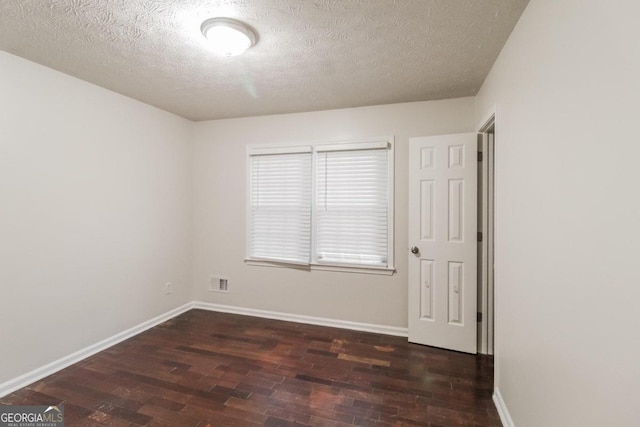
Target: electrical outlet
pixel 167 288
pixel 219 284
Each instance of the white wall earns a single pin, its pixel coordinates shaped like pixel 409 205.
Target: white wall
pixel 566 86
pixel 220 203
pixel 95 214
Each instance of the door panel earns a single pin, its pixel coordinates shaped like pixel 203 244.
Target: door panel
pixel 443 228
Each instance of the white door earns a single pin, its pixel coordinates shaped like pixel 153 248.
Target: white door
pixel 443 241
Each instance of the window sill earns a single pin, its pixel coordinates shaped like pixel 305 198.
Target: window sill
pixel 384 271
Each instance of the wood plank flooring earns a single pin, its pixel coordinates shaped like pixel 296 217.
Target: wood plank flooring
pixel 210 369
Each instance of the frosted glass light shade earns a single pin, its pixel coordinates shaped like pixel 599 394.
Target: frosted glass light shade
pixel 228 37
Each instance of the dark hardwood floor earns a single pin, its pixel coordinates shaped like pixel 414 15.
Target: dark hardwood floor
pixel 213 369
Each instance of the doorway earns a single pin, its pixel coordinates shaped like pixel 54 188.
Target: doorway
pixel 486 236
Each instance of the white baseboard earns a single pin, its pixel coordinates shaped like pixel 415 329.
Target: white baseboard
pixel 505 417
pixel 57 365
pixel 321 321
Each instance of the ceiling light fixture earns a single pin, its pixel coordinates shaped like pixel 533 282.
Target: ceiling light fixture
pixel 228 37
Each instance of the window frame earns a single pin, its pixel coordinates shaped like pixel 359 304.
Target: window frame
pixel 319 146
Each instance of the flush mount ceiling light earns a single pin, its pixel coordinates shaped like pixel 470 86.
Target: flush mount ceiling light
pixel 228 37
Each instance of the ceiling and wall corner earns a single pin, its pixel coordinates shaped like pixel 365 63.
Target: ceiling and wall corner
pixel 311 55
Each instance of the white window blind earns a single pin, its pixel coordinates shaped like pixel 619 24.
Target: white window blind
pixel 280 205
pixel 352 203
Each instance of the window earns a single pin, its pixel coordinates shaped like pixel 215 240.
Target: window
pixel 322 205
pixel 352 200
pixel 281 206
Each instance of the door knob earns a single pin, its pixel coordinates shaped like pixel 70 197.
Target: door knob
pixel 415 250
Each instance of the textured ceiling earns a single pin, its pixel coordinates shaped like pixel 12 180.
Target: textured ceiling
pixel 311 54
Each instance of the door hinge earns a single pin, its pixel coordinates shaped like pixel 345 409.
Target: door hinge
pixel 479 317
pixel 479 236
pixel 479 156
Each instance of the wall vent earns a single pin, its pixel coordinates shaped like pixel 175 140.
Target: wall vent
pixel 219 284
